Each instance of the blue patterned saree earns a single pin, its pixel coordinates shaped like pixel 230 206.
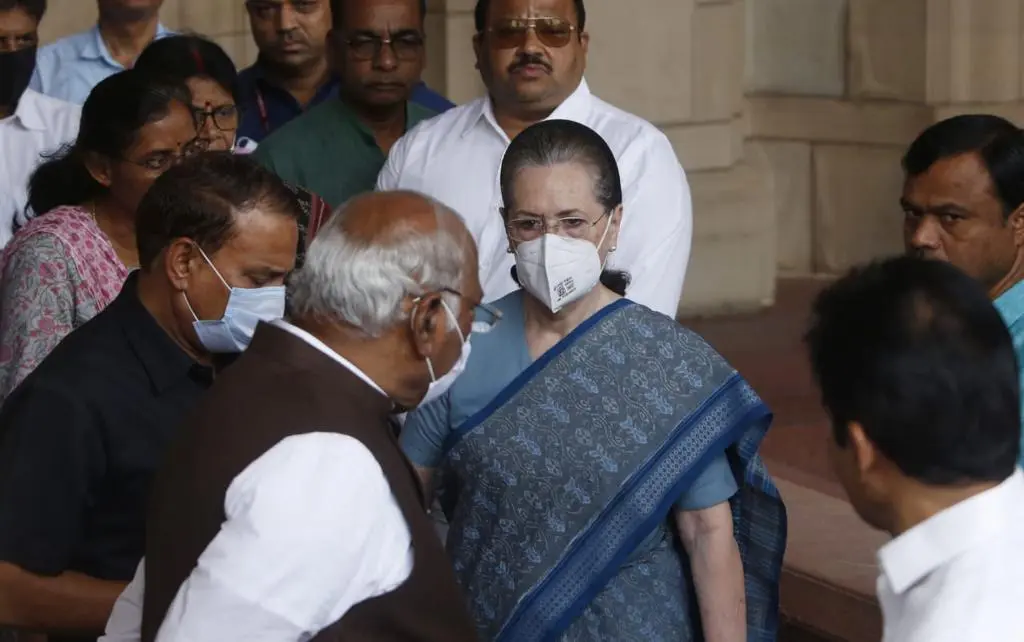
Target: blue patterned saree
pixel 559 493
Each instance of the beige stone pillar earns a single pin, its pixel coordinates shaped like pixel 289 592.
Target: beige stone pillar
pixel 836 92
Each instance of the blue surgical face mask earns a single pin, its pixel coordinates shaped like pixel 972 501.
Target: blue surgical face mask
pixel 246 308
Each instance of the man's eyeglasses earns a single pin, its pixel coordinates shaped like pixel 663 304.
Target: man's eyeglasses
pixel 485 316
pixel 225 117
pixel 511 34
pixel 528 228
pixel 407 46
pixel 163 160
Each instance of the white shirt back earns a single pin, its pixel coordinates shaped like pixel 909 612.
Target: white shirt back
pixel 456 158
pixel 312 530
pixel 40 125
pixel 957 577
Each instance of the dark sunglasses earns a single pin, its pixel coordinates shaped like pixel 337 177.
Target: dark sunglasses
pixel 511 34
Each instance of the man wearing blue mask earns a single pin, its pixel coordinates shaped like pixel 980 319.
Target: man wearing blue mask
pixel 286 501
pixel 81 437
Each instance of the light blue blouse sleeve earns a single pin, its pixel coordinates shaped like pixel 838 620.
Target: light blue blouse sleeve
pixel 425 431
pixel 713 486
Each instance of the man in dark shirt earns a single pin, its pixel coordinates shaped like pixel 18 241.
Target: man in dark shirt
pixel 81 437
pixel 293 71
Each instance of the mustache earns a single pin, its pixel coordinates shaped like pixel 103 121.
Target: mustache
pixel 522 60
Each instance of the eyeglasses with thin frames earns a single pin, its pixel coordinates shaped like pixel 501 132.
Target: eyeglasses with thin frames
pixel 406 45
pixel 162 161
pixel 485 316
pixel 528 228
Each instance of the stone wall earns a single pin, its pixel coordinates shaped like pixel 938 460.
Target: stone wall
pixel 789 116
pixel 838 88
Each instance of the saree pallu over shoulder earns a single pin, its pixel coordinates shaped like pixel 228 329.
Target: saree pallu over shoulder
pixel 558 493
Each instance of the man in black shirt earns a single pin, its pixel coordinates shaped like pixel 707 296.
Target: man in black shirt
pixel 81 437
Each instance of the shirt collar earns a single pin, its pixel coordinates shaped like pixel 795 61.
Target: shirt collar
pixel 914 555
pixel 1011 304
pixel 28 111
pixel 163 359
pixel 93 47
pixel 324 348
pixel 576 108
pixel 349 115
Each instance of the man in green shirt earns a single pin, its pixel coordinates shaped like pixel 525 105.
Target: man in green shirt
pixel 337 149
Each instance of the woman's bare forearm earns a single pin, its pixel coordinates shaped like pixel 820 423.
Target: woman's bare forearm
pixel 707 536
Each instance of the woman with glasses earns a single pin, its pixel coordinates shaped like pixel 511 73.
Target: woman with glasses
pixel 70 261
pixel 597 462
pixel 211 78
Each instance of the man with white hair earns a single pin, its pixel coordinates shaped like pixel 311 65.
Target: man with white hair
pixel 287 511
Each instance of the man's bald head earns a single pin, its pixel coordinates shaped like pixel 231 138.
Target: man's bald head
pixel 378 252
pixel 378 217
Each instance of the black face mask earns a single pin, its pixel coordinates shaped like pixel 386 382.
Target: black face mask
pixel 16 69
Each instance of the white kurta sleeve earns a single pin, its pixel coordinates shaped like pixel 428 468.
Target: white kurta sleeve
pixel 391 173
pixel 312 530
pixel 125 622
pixel 657 224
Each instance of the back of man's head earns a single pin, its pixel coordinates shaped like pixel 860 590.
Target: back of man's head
pixel 998 143
pixel 201 199
pixel 913 353
pixel 374 254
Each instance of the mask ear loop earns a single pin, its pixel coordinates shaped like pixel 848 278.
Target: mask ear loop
pixel 213 267
pixel 604 235
pixel 412 326
pixel 215 271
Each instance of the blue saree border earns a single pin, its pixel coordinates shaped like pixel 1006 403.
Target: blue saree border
pixel 526 375
pixel 733 390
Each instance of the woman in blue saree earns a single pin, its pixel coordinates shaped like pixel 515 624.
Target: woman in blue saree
pixel 597 462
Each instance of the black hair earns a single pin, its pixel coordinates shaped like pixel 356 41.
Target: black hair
pixel 998 143
pixel 200 199
pixel 482 6
pixel 178 58
pixel 338 6
pixel 913 350
pixel 34 8
pixel 116 109
pixel 553 142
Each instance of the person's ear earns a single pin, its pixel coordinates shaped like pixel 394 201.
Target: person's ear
pixel 865 454
pixel 429 324
pixel 615 220
pixel 1016 223
pixel 180 262
pixel 478 50
pixel 100 168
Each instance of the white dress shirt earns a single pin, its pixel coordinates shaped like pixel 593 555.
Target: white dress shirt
pixel 312 529
pixel 456 158
pixel 40 125
pixel 957 577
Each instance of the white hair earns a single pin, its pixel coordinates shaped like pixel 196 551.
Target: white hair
pixel 365 282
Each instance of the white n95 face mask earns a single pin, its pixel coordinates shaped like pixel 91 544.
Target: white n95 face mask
pixel 559 270
pixel 438 387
